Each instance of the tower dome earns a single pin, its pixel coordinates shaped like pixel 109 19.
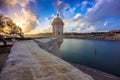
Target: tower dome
pixel 57 21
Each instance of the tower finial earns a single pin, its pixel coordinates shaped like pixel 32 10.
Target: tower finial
pixel 58 15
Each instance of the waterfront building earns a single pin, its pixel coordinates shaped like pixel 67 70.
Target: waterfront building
pixel 57 26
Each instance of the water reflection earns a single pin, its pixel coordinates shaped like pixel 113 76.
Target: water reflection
pixel 101 54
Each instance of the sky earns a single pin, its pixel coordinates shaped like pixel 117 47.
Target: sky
pixel 82 16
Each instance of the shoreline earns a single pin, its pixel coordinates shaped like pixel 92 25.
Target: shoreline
pixel 96 74
pixel 92 39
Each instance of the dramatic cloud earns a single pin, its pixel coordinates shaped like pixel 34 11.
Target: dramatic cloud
pixel 95 19
pixel 74 22
pixel 84 4
pixel 104 9
pixel 106 23
pixel 60 7
pixel 77 16
pixel 64 9
pixel 81 16
pixel 1 3
pixel 19 11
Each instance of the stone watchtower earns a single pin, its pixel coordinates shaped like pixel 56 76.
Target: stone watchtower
pixel 57 25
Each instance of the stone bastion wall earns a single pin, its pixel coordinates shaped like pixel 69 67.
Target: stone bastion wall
pixel 28 61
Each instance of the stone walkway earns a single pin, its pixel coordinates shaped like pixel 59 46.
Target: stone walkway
pixel 27 61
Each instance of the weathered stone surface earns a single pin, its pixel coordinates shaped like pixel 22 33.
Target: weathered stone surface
pixel 27 61
pixel 48 71
pixel 17 74
pixel 49 44
pixel 62 68
pixel 60 77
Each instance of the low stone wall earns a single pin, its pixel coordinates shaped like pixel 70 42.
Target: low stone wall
pixel 27 61
pixel 49 44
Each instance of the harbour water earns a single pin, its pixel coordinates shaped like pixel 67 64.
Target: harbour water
pixel 103 55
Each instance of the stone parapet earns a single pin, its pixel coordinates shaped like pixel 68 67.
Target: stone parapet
pixel 49 44
pixel 46 43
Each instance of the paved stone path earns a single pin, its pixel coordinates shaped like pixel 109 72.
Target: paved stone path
pixel 27 61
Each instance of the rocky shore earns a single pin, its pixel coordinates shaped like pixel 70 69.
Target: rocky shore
pixel 99 36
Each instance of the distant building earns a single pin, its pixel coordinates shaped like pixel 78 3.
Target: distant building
pixel 115 31
pixel 57 25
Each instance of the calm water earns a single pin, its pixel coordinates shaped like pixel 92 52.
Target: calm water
pixel 100 54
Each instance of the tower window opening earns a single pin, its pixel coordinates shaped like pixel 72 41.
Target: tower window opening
pixel 58 33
